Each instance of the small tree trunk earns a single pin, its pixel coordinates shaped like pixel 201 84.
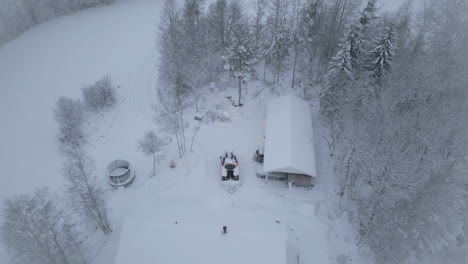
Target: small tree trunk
pixel 193 137
pixel 279 70
pixel 240 90
pixel 154 165
pixel 178 145
pixel 182 132
pixel 264 71
pixel 294 68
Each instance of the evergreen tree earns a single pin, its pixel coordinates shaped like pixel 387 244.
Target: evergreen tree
pixel 358 35
pixel 380 58
pixel 356 44
pixel 339 73
pixel 369 13
pixel 340 66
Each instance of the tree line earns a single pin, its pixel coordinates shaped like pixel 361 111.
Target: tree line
pixel 17 16
pixel 395 104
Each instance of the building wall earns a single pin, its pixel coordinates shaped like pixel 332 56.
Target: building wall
pixel 301 180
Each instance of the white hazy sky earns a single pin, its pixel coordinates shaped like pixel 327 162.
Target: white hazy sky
pixel 392 5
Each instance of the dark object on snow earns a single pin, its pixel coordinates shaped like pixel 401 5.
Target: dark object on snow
pixel 240 105
pixel 232 101
pixel 224 229
pixel 198 118
pixel 172 164
pixel 259 156
pixel 229 167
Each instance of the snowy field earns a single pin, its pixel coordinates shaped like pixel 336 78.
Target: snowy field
pixel 76 50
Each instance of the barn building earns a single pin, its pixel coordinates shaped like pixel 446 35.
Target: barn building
pixel 289 146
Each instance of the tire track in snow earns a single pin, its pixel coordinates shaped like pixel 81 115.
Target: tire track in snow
pixel 142 96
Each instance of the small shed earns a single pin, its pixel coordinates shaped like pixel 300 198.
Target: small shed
pixel 289 146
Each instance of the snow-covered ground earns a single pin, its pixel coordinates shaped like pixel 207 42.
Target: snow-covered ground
pixel 59 57
pixel 56 59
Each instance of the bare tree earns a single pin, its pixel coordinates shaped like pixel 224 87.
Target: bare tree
pixel 69 114
pixel 37 230
pixel 83 193
pixel 170 115
pixel 151 145
pixel 173 94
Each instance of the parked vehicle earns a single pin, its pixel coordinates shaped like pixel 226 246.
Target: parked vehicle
pixel 274 176
pixel 229 167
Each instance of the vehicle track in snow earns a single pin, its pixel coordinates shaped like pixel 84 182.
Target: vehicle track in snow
pixel 143 86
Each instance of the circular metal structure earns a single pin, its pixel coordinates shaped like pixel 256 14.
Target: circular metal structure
pixel 120 173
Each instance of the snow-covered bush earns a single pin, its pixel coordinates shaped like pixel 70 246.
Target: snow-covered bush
pixel 100 95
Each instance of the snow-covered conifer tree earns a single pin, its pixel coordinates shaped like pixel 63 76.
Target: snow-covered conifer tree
pixel 380 58
pixel 369 13
pixel 339 73
pixel 356 45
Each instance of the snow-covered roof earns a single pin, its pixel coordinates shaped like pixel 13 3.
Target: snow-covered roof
pixel 289 145
pixel 198 238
